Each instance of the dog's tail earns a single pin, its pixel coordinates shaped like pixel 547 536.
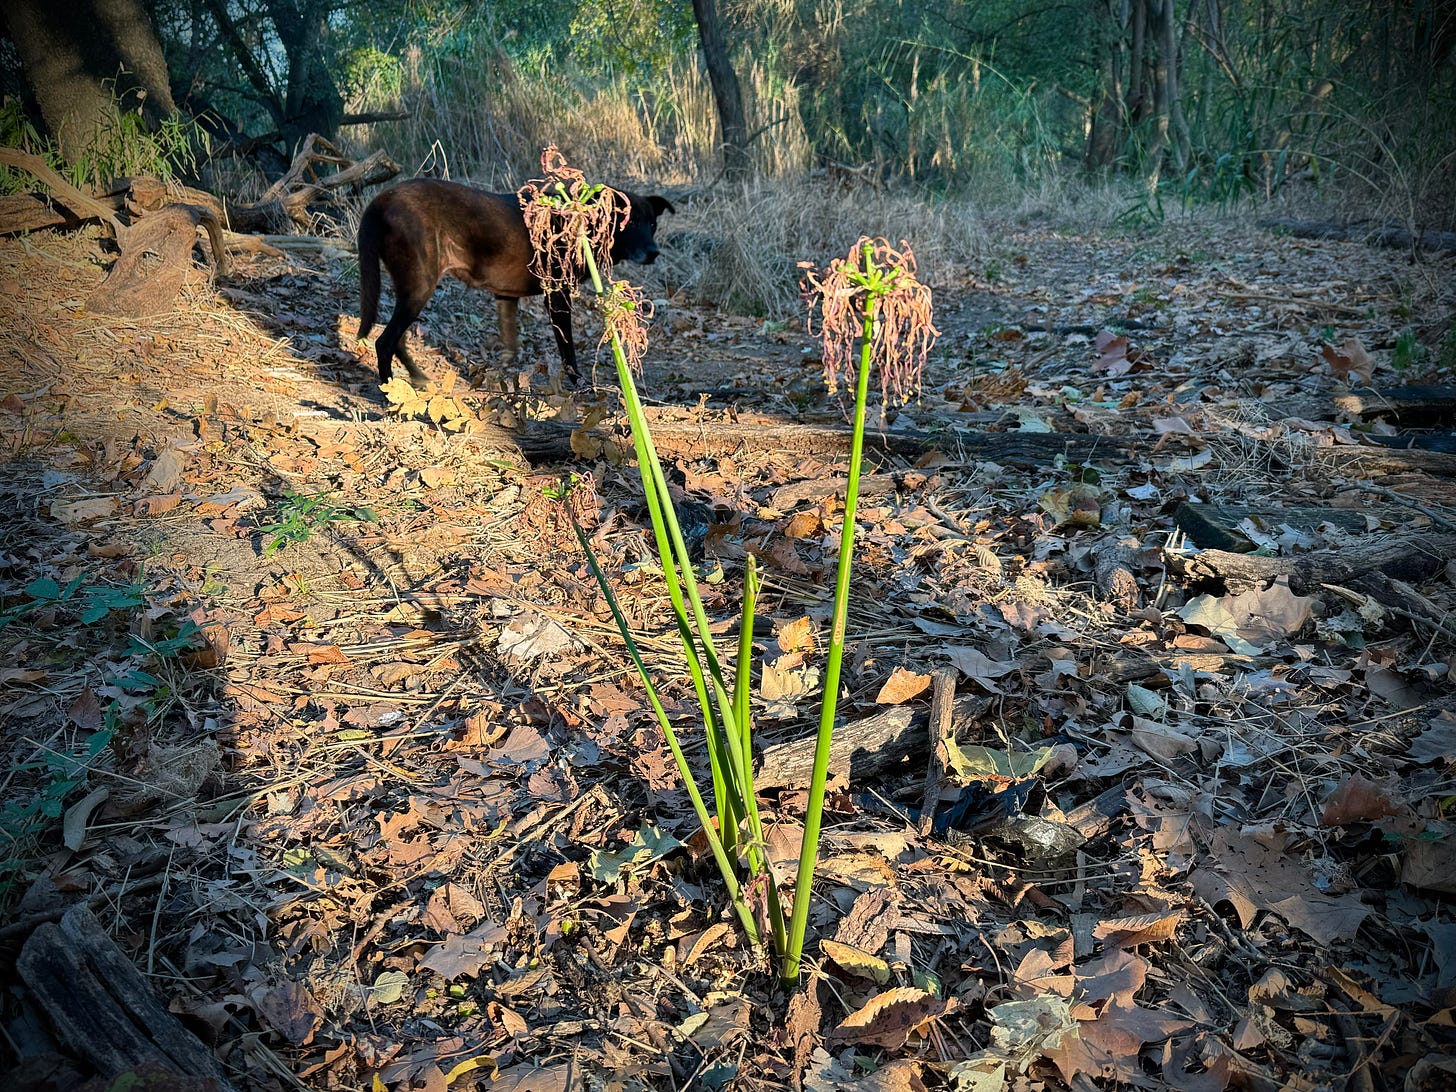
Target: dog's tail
pixel 371 229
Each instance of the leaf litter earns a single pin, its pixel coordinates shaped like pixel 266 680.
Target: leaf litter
pixel 408 823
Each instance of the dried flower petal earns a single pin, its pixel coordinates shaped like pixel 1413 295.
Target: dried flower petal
pixel 560 211
pixel 877 276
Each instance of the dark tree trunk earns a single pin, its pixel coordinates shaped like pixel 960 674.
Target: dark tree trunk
pixel 1105 135
pixel 727 95
pixel 312 102
pixel 82 57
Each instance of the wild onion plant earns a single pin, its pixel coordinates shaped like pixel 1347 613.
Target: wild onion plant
pixel 874 288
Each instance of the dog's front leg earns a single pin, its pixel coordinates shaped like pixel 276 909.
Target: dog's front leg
pixel 558 309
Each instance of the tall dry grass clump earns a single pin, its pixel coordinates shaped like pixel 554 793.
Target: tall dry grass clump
pixel 738 247
pixel 475 113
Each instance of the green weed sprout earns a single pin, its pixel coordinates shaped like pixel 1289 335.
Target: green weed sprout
pixel 300 514
pixel 871 296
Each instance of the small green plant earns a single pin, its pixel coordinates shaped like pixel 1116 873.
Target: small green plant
pixel 96 601
pixel 24 821
pixel 301 514
pixel 871 299
pixel 1409 352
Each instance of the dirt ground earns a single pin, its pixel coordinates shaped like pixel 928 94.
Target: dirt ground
pixel 311 697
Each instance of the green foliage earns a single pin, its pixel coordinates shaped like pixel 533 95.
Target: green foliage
pixel 95 601
pixel 635 39
pixel 1409 352
pixel 25 821
pixel 140 688
pixel 121 147
pixel 371 76
pixel 300 515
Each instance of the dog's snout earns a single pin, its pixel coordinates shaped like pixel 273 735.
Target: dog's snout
pixel 651 255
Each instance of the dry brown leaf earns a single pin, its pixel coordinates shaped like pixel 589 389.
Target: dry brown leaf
pixel 289 1009
pixel 856 961
pixel 1357 799
pixel 1350 361
pixel 1129 932
pixel 889 1019
pixel 901 686
pixel 796 635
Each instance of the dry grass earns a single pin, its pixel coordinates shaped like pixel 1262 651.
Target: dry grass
pixel 739 248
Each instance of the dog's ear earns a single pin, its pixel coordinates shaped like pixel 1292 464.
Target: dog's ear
pixel 660 204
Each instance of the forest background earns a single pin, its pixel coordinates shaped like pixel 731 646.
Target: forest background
pixel 1188 100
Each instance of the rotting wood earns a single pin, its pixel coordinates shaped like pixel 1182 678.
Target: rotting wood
pixel 101 1006
pixel 1405 557
pixel 863 749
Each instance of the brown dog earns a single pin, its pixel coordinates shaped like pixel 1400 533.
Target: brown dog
pixel 424 229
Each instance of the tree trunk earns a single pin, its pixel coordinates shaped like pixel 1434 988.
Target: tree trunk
pixel 312 103
pixel 83 59
pixel 1105 134
pixel 727 95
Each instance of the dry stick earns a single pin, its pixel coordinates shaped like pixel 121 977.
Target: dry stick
pixel 942 701
pixel 64 192
pixel 1390 494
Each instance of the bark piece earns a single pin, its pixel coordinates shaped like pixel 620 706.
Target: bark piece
pixel 101 1006
pixel 942 705
pixel 863 749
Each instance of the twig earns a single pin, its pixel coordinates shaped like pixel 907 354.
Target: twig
pixel 1390 494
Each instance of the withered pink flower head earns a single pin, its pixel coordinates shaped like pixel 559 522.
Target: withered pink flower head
pixel 561 210
pixel 880 279
pixel 627 312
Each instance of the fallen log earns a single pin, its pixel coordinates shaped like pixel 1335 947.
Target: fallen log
pixel 82 205
pixel 865 749
pixel 1216 526
pixel 1413 406
pixel 1408 558
pixel 20 212
pixel 550 441
pixel 1388 236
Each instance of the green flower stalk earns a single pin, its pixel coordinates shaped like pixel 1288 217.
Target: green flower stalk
pixel 873 296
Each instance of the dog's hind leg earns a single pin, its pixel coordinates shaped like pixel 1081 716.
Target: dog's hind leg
pixel 409 303
pixel 505 313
